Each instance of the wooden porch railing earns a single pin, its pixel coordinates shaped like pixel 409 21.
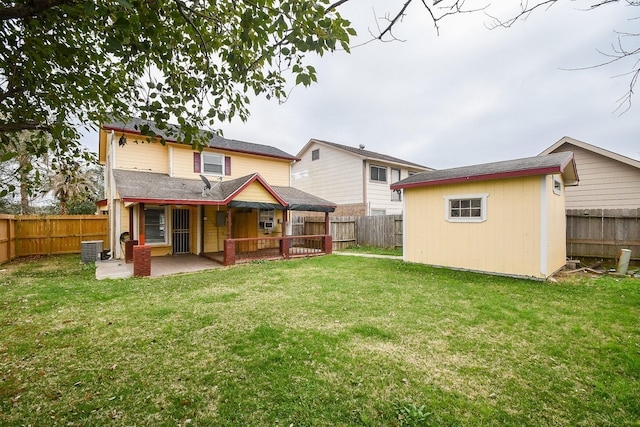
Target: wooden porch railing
pixel 250 249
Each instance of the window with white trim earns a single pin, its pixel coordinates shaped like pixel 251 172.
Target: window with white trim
pixel 466 208
pixel 212 164
pixel 155 225
pixel 266 219
pixel 378 173
pixel 396 195
pixel 557 186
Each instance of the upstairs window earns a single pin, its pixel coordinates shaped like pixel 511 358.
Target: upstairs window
pixel 466 208
pixel 378 173
pixel 315 154
pixel 212 164
pixel 396 195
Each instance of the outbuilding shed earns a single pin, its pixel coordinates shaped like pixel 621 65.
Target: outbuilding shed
pixel 504 218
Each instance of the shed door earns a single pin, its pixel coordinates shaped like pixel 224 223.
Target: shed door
pixel 181 231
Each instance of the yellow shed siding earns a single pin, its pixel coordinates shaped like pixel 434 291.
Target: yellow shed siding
pixel 508 242
pixel 556 226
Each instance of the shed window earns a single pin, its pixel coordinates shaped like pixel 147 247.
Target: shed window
pixel 378 173
pixel 213 164
pixel 466 208
pixel 557 186
pixel 315 154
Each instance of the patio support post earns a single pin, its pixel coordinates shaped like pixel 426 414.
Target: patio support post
pixel 327 229
pixel 229 236
pixel 141 224
pixel 284 247
pixel 229 252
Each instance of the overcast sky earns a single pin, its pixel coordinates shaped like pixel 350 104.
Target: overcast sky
pixel 468 96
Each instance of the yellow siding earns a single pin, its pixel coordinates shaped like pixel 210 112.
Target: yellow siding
pixel 556 227
pixel 255 192
pixel 214 236
pixel 142 156
pixel 275 171
pixel 508 242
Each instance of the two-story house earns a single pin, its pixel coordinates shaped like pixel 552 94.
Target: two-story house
pixel 229 201
pixel 357 180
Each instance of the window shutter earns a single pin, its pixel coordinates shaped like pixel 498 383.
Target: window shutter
pixel 196 162
pixel 227 165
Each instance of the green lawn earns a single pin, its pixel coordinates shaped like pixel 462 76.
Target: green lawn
pixel 325 341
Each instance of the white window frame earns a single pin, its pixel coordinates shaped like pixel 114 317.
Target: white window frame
pixel 396 195
pixel 166 225
pixel 557 186
pixel 371 166
pixel 204 157
pixel 266 215
pixel 483 207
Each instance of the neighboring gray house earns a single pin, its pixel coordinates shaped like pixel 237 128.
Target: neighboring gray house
pixel 357 180
pixel 607 180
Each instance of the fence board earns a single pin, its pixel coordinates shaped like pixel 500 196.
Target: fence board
pixel 601 233
pixel 7 238
pixel 381 231
pixel 57 234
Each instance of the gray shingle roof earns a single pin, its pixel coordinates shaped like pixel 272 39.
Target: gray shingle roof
pixel 551 163
pixel 149 187
pixel 214 141
pixel 370 154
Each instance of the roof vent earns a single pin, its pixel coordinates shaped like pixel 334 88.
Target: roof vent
pixel 362 146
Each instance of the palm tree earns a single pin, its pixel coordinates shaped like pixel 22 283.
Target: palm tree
pixel 71 182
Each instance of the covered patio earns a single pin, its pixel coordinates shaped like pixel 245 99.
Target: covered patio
pixel 233 221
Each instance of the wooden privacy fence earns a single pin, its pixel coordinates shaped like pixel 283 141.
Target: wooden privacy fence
pixel 381 231
pixel 49 234
pixel 601 233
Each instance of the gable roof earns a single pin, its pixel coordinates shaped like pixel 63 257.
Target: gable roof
pixel 606 153
pixel 159 188
pixel 362 153
pixel 214 141
pixel 530 166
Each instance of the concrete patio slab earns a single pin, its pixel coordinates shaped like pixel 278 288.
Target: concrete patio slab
pixel 160 266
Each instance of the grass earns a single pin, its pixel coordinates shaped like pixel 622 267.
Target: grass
pixel 374 250
pixel 325 341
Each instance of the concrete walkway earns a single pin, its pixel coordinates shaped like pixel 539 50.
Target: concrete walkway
pixel 368 255
pixel 160 266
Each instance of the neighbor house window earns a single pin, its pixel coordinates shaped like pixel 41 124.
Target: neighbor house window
pixel 466 208
pixel 212 164
pixel 377 212
pixel 266 219
pixel 557 186
pixel 315 154
pixel 378 173
pixel 155 225
pixel 396 195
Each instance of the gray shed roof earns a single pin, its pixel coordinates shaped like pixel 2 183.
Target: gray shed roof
pixel 149 187
pixel 214 141
pixel 365 153
pixel 540 165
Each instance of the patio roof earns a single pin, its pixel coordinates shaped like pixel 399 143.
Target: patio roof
pixel 149 187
